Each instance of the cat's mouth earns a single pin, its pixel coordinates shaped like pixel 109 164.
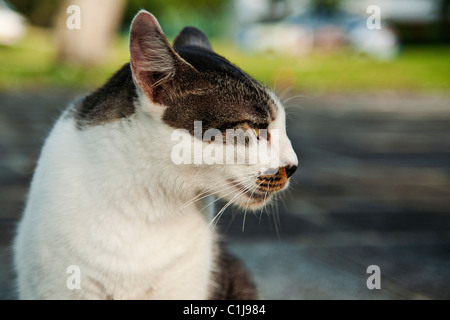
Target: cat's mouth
pixel 263 188
pixel 252 193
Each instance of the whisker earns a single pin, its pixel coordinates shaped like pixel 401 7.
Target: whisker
pixel 265 198
pixel 284 93
pixel 276 216
pixel 206 193
pixel 297 96
pixel 250 181
pixel 218 215
pixel 209 191
pixel 245 212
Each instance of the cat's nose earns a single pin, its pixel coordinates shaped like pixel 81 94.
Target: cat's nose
pixel 290 170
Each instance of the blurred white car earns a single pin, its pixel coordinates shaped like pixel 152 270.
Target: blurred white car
pixel 12 24
pixel 277 38
pixel 299 34
pixel 381 44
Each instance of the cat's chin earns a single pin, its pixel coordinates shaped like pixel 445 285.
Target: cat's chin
pixel 253 203
pixel 251 198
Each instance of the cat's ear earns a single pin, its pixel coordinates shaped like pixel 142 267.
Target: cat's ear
pixel 191 36
pixel 153 60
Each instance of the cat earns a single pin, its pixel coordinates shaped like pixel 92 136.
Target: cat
pixel 107 198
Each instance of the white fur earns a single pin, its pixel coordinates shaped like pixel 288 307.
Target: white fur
pixel 286 154
pixel 98 200
pixel 109 200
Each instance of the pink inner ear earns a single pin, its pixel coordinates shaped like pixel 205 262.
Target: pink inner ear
pixel 150 52
pixel 145 38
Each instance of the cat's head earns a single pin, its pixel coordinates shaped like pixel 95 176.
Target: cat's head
pixel 227 129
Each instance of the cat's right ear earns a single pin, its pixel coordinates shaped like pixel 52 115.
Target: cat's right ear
pixel 153 60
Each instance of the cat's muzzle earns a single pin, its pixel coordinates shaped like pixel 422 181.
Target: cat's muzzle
pixel 275 182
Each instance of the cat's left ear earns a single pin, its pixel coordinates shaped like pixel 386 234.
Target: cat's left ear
pixel 153 60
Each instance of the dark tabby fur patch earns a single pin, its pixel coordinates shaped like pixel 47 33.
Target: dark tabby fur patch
pixel 217 93
pixel 232 280
pixel 111 102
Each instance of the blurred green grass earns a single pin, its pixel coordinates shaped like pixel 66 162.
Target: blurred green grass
pixel 32 64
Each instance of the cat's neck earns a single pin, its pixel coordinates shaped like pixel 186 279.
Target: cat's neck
pixel 138 170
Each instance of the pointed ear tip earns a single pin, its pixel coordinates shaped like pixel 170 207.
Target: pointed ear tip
pixel 144 12
pixel 145 16
pixel 189 30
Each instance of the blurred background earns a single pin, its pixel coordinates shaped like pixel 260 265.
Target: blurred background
pixel 366 85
